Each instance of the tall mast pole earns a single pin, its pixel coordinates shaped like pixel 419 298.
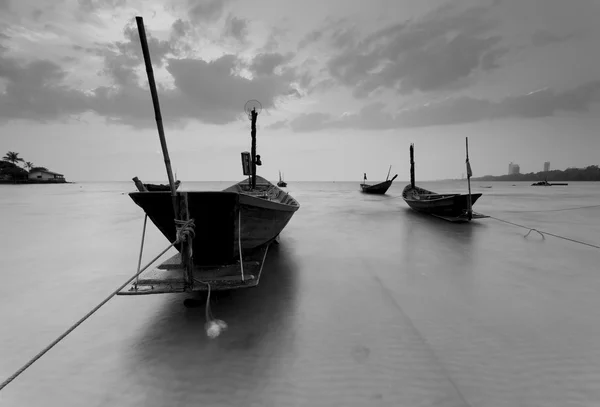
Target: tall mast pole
pixel 469 174
pixel 412 166
pixel 254 114
pixel 157 114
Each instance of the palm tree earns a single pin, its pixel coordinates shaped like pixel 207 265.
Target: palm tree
pixel 29 165
pixel 12 157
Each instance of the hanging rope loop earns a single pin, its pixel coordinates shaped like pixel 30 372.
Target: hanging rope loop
pixel 546 233
pixel 535 230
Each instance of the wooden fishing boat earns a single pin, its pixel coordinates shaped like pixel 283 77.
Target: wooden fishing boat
pixel 281 182
pixel 451 207
pixel 377 189
pixel 252 216
pixel 222 236
pixel 238 222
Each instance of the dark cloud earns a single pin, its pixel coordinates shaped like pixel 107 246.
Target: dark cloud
pixel 541 38
pixel 236 28
pixel 281 124
pixel 265 64
pixel 36 14
pixel 93 5
pixel 34 90
pixel 211 92
pixel 438 52
pixel 206 10
pixel 272 43
pixel 4 4
pixel 310 38
pixel 336 33
pixel 460 110
pixel 180 28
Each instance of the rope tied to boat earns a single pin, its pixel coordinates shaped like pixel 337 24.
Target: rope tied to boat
pixel 185 229
pixel 535 230
pixel 86 316
pixel 542 233
pixel 185 233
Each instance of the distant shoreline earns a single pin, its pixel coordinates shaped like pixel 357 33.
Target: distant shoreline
pixel 23 182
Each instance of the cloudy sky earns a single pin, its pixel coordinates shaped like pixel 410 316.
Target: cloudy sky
pixel 346 86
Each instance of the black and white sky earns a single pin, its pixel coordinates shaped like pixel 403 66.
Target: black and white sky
pixel 346 86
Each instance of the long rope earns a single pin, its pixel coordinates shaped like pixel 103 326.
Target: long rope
pixel 75 325
pixel 557 210
pixel 141 249
pixel 542 210
pixel 546 233
pixel 183 232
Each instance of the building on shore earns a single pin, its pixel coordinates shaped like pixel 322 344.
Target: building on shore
pixel 547 166
pixel 47 176
pixel 513 169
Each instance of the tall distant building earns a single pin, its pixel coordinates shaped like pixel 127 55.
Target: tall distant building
pixel 513 169
pixel 547 166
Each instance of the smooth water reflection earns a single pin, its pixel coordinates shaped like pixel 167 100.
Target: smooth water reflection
pixel 364 302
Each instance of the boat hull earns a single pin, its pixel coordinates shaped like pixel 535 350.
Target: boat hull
pixel 377 189
pixel 223 219
pixel 429 202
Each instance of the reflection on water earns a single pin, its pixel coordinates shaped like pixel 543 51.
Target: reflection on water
pixel 364 303
pixel 435 244
pixel 175 349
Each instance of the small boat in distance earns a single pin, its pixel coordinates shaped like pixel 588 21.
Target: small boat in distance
pixel 545 183
pixel 377 189
pixel 451 207
pixel 281 182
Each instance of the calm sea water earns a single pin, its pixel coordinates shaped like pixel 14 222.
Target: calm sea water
pixel 364 303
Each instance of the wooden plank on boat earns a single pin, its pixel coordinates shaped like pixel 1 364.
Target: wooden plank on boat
pixel 461 218
pixel 169 276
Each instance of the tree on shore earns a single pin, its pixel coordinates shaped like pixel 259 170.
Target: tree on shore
pixel 11 171
pixel 12 157
pixel 9 168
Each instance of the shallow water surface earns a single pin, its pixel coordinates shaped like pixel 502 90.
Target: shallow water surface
pixel 363 303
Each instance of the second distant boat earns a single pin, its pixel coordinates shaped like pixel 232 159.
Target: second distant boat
pixel 378 189
pixel 281 182
pixel 451 207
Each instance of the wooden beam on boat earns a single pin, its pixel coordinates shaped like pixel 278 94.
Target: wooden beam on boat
pixel 462 218
pixel 139 184
pixel 170 276
pixel 186 249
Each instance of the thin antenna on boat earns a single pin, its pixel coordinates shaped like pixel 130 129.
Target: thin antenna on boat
pixel 157 114
pixel 469 174
pixel 412 165
pixel 388 176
